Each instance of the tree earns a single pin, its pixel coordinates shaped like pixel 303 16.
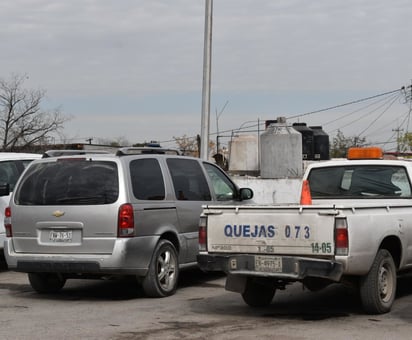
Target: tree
pixel 116 142
pixel 341 144
pixel 188 145
pixel 405 142
pixel 23 122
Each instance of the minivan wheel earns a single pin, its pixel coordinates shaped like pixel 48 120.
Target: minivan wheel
pixel 46 282
pixel 161 279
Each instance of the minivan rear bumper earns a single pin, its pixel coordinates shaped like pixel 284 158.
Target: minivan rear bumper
pixel 130 256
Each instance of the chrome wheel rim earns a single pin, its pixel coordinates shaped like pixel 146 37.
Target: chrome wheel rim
pixel 166 270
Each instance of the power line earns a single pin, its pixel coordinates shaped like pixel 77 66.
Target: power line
pixel 403 115
pixel 319 111
pixel 355 111
pixel 376 119
pixel 346 104
pixel 390 100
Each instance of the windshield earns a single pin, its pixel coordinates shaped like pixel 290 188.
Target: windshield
pixel 69 182
pixel 224 189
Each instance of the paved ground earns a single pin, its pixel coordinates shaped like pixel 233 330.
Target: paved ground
pixel 201 309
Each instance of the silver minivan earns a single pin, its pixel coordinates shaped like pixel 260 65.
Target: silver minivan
pixel 96 215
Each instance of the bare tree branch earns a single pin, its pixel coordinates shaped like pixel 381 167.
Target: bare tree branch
pixel 22 120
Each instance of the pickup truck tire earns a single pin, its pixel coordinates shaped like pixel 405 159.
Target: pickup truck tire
pixel 378 287
pixel 161 279
pixel 258 293
pixel 44 283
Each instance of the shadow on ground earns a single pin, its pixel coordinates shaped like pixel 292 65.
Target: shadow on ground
pixel 3 263
pixel 118 288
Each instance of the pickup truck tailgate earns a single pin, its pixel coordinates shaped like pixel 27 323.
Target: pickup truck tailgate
pixel 285 230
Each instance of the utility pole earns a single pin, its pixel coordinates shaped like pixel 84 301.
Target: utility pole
pixel 207 60
pixel 217 125
pixel 398 130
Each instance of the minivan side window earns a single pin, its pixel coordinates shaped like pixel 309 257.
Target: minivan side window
pixel 147 179
pixel 69 182
pixel 188 179
pixel 223 187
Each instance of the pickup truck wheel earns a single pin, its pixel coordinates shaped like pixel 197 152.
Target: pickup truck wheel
pixel 161 279
pixel 258 293
pixel 46 282
pixel 378 287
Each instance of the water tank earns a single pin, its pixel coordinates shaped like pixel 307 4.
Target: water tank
pixel 268 122
pixel 320 143
pixel 280 151
pixel 307 140
pixel 243 159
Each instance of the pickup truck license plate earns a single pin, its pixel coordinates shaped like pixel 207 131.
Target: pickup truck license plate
pixel 61 236
pixel 270 264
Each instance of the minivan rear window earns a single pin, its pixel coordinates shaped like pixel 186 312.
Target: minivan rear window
pixel 69 182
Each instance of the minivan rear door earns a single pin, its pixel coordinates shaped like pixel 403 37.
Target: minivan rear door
pixel 66 205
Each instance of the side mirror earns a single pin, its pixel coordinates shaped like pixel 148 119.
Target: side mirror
pixel 245 194
pixel 4 189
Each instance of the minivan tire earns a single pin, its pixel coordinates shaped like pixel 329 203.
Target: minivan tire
pixel 44 283
pixel 161 279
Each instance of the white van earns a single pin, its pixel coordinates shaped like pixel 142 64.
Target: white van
pixel 12 165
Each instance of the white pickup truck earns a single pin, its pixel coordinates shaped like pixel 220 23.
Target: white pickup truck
pixel 355 227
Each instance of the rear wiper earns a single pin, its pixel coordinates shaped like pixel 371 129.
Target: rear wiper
pixel 83 199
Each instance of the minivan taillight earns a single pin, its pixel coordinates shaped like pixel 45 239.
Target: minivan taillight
pixel 125 224
pixel 203 233
pixel 7 222
pixel 341 236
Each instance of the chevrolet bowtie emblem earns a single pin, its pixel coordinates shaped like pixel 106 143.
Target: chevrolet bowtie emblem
pixel 58 213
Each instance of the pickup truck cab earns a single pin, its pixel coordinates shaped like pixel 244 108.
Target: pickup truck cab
pixel 354 227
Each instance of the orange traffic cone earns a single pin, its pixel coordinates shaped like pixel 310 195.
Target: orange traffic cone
pixel 305 196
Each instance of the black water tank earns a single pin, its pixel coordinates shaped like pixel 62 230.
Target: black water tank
pixel 307 140
pixel 320 143
pixel 268 122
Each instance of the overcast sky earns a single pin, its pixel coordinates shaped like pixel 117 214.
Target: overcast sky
pixel 133 68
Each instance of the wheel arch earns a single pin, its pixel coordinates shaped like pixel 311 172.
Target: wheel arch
pixel 173 238
pixel 394 246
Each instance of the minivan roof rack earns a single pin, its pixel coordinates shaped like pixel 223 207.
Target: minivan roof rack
pixel 58 153
pixel 146 150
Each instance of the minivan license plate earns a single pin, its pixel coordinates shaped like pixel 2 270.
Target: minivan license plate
pixel 61 236
pixel 268 264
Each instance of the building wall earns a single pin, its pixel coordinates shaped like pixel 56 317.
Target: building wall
pixel 267 191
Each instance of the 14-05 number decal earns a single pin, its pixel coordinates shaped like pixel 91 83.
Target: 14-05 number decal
pixel 324 248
